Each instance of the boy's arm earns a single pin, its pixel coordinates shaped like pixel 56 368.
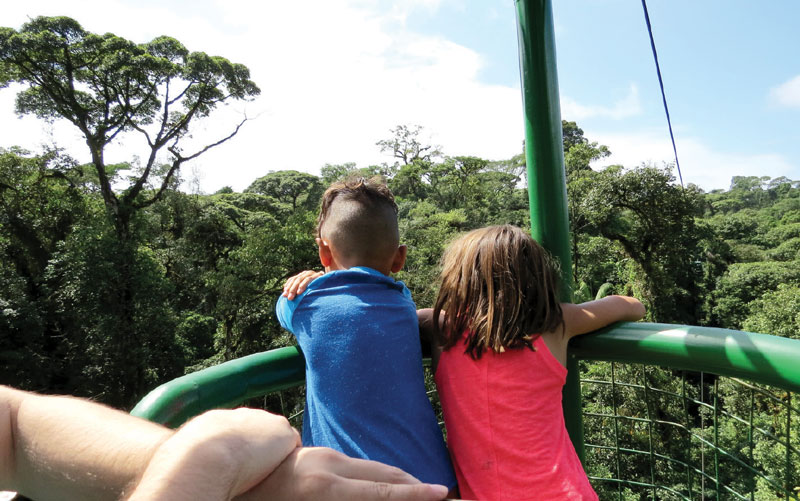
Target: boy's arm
pixel 293 288
pixel 592 315
pixel 425 318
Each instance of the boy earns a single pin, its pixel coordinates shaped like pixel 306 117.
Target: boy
pixel 359 332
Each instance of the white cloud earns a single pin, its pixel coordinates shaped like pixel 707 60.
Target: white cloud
pixel 626 107
pixel 787 94
pixel 700 163
pixel 335 76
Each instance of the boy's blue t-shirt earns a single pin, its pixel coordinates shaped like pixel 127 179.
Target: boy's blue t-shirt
pixel 365 392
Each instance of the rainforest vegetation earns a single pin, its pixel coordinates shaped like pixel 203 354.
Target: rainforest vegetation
pixel 114 280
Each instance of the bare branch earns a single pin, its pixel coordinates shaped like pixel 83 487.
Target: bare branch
pixel 179 160
pixel 183 92
pixel 213 145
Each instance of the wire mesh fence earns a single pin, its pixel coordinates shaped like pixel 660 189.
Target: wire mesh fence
pixel 654 433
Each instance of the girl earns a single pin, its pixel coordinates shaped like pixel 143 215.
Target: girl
pixel 500 365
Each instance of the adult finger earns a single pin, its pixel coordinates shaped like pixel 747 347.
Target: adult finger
pixel 359 469
pixel 364 490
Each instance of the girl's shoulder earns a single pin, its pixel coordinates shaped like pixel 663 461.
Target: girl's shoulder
pixel 556 342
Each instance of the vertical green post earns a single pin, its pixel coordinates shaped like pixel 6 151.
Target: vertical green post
pixel 544 154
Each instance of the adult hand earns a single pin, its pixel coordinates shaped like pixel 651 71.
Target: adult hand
pixel 311 473
pixel 218 455
pixel 297 284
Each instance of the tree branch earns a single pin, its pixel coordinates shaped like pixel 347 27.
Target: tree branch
pixel 179 160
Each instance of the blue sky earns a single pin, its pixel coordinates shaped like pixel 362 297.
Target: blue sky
pixel 337 74
pixel 728 70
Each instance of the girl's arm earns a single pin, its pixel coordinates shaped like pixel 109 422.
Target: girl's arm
pixel 592 315
pixel 427 337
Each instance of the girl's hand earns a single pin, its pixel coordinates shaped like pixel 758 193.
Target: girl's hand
pixel 297 284
pixel 592 315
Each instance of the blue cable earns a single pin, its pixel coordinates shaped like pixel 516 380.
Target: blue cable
pixel 661 84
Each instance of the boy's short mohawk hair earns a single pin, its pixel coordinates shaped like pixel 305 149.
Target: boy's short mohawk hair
pixel 358 217
pixel 372 192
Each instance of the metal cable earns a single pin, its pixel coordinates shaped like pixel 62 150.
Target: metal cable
pixel 661 84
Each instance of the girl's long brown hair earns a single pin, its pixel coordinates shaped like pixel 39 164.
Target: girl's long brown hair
pixel 499 288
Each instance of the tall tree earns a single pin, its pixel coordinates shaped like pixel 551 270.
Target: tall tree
pixel 579 153
pixel 405 145
pixel 290 187
pixel 107 86
pixel 653 220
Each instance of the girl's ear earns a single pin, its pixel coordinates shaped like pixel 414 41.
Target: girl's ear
pixel 399 259
pixel 325 255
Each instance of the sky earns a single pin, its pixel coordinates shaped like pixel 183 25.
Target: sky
pixel 337 75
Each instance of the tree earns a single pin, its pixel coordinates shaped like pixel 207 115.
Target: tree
pixel 290 187
pixel 337 172
pixel 746 282
pixel 106 85
pixel 405 145
pixel 39 206
pixel 653 221
pixel 579 153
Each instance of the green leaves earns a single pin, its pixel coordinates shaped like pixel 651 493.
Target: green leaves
pixel 290 187
pixel 106 85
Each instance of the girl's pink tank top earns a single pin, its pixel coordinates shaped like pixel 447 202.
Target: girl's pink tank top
pixel 505 425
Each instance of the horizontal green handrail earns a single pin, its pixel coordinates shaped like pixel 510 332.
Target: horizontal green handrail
pixel 758 358
pixel 224 385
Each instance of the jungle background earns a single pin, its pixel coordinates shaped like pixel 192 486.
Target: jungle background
pixel 114 280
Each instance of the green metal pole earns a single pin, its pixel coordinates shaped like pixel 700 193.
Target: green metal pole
pixel 544 154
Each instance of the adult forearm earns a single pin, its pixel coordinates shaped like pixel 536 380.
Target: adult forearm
pixel 217 455
pixel 69 448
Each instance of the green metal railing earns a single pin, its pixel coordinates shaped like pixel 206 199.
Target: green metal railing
pixel 658 433
pixel 665 433
pixel 223 386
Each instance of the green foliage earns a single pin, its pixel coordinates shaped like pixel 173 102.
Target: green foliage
pixel 579 153
pixel 94 311
pixel 745 282
pixel 106 85
pixel 337 172
pixel 652 219
pixel 776 312
pixel 39 206
pixel 426 231
pixel 290 187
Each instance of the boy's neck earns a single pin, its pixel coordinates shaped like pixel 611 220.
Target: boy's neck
pixel 332 260
pixel 336 266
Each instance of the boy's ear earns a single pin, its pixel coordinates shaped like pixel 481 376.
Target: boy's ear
pixel 325 256
pixel 399 258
